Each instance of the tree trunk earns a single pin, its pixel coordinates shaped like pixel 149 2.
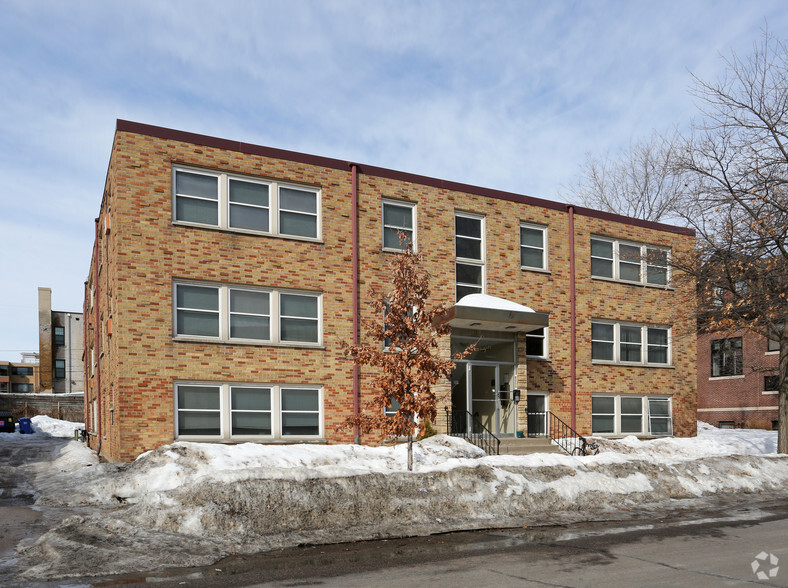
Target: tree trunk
pixel 782 410
pixel 410 452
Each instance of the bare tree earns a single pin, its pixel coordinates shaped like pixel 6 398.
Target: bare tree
pixel 404 343
pixel 735 168
pixel 641 181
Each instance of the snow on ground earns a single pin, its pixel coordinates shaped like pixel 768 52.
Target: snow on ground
pixel 191 503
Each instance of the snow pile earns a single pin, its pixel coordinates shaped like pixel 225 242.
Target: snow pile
pixel 55 427
pixel 213 499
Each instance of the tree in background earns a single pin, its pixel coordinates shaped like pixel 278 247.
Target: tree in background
pixel 735 168
pixel 404 343
pixel 641 182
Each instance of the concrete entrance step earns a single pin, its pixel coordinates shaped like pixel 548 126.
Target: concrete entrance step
pixel 527 446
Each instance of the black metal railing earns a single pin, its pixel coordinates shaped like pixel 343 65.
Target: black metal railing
pixel 457 426
pixel 567 438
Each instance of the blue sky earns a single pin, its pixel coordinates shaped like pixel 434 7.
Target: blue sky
pixel 507 95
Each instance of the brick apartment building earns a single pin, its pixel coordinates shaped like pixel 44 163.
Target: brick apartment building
pixel 738 380
pixel 225 275
pixel 20 377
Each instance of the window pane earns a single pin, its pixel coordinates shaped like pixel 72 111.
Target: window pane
pixel 531 237
pixel 630 334
pixel 771 383
pixel 398 216
pixel 303 330
pixel 198 185
pixel 198 297
pixel 603 351
pixel 603 404
pixel 601 249
pixel 244 326
pixel 463 291
pixel 601 268
pixel 534 343
pixel 297 200
pixel 251 398
pixel 249 302
pixel 299 225
pixel 469 274
pixel 602 424
pixel 248 193
pixel 391 238
pixel 531 257
pixel 196 211
pixel 628 271
pixel 251 423
pixel 657 336
pixel 295 305
pixel 469 227
pixel 630 352
pixel 300 424
pixel 602 332
pixel 198 323
pixel 297 399
pixel 659 426
pixel 631 424
pixel 659 407
pixel 657 275
pixel 249 217
pixel 630 253
pixel 657 354
pixel 198 397
pixel 469 248
pixel 631 405
pixel 198 423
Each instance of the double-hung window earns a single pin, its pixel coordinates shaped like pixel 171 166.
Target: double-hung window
pixel 398 217
pixel 630 262
pixel 469 254
pixel 536 343
pixel 59 336
pixel 241 411
pixel 629 343
pixel 245 204
pixel 533 246
pixel 726 357
pixel 626 414
pixel 60 368
pixel 242 314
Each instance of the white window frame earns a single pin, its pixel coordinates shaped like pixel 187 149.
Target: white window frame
pixel 400 204
pixel 644 262
pixel 223 204
pixel 645 414
pixel 545 343
pixel 481 262
pixel 224 316
pixel 644 345
pixel 543 230
pixel 225 411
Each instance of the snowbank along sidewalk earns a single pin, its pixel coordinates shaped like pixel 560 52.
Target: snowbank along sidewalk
pixel 191 504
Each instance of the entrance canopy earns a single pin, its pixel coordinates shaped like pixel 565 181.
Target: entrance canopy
pixel 489 313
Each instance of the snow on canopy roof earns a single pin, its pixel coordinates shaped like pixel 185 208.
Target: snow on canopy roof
pixel 487 301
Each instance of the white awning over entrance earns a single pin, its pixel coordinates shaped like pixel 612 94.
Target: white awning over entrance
pixel 490 313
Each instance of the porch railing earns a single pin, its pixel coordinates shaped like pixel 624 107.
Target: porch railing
pixel 479 435
pixel 565 436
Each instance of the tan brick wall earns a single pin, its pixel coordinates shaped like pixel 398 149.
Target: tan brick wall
pixel 144 252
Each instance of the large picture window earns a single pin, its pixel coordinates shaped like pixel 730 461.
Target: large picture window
pixel 726 357
pixel 245 204
pixel 243 411
pixel 630 262
pixel 626 414
pixel 240 314
pixel 630 343
pixel 469 253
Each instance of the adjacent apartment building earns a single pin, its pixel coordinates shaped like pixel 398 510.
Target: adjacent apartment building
pixel 738 380
pixel 225 276
pixel 60 348
pixel 20 377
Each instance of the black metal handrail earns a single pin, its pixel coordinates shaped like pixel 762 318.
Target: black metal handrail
pixel 479 435
pixel 566 437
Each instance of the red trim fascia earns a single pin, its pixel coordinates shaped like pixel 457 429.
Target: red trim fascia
pixel 572 318
pixel 380 172
pixel 356 309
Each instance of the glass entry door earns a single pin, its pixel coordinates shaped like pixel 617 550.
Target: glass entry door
pixel 488 394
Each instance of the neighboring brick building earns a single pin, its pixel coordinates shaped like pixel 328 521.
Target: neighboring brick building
pixel 22 377
pixel 60 348
pixel 737 380
pixel 225 276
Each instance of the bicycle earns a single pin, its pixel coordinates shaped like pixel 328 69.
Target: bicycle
pixel 585 448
